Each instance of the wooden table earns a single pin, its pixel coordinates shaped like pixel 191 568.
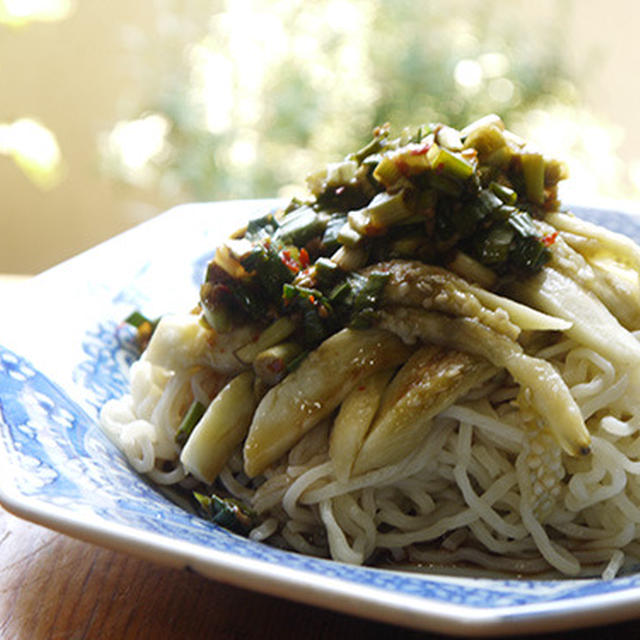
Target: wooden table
pixel 54 587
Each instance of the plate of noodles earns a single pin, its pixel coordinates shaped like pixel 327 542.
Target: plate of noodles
pixel 410 395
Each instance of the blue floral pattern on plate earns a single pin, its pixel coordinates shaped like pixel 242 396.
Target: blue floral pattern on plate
pixel 59 469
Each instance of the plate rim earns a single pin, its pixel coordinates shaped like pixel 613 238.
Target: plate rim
pixel 405 610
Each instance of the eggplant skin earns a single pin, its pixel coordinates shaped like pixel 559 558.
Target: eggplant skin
pixel 415 284
pixel 550 395
pixel 432 379
pixel 315 389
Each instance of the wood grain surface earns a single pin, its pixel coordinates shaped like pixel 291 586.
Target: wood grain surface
pixel 55 587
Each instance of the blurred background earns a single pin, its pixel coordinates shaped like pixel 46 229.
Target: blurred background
pixel 112 112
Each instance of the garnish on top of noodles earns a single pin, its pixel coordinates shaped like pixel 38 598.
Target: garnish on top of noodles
pixel 467 200
pixel 426 348
pixel 464 202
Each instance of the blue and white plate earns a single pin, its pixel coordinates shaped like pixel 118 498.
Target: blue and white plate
pixel 66 353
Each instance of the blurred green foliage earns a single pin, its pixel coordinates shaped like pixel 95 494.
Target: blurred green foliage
pixel 275 89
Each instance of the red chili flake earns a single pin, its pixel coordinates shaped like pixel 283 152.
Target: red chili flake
pixel 312 299
pixel 304 258
pixel 361 387
pixel 420 151
pixel 289 262
pixel 549 239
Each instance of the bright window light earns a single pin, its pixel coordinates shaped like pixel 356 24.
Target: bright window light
pixel 135 143
pixel 468 74
pixel 34 149
pixel 19 12
pixel 213 87
pixel 494 65
pixel 501 90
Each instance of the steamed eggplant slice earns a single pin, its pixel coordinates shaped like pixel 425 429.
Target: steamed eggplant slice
pixel 615 284
pixel 431 380
pixel 602 240
pixel 592 324
pixel 354 420
pixel 549 393
pixel 315 389
pixel 221 429
pixel 416 284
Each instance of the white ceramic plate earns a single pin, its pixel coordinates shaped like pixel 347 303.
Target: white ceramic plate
pixel 65 353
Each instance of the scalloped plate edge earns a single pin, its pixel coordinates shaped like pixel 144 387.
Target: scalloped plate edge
pixel 368 602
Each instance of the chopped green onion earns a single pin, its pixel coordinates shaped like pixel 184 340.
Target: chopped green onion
pixel 250 298
pixel 330 238
pixel 136 319
pixel 340 293
pixel 489 200
pixel 449 163
pixel 487 140
pixel 387 172
pixel 317 311
pixel 533 171
pixel 299 226
pixel 326 272
pixel 503 213
pixel 226 512
pixel 500 158
pixel 349 236
pixel 530 253
pixel 269 269
pixel 259 228
pixel 144 328
pixel 489 120
pixel 376 145
pixel 218 318
pixel 508 196
pixel 190 420
pixel 522 223
pixel 291 292
pixel 357 294
pixel 276 332
pixel 450 138
pixel 465 219
pixel 383 211
pixel 493 247
pixel 351 258
pixel 272 365
pixel 370 291
pixel 444 184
